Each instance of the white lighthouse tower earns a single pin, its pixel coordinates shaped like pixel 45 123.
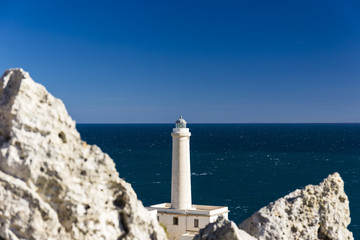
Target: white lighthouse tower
pixel 182 219
pixel 181 175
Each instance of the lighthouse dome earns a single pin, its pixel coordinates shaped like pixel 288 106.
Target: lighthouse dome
pixel 180 123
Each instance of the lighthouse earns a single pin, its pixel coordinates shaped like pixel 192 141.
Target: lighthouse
pixel 182 219
pixel 180 174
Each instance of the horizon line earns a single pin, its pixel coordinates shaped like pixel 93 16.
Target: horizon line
pixel 227 123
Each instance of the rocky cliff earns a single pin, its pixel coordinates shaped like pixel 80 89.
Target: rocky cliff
pixel 222 229
pixel 318 212
pixel 52 184
pixel 315 212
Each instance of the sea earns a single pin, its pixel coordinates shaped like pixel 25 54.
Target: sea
pixel 242 166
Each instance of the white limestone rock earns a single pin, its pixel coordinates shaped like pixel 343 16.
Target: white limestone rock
pixel 52 184
pixel 222 229
pixel 315 212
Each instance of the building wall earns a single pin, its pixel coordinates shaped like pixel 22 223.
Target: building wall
pixel 175 231
pixel 187 237
pixel 185 223
pixel 203 221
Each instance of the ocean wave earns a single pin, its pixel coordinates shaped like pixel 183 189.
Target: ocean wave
pixel 201 174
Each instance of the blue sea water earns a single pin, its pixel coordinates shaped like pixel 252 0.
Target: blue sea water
pixel 243 166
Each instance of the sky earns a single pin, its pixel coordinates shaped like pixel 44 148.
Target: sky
pixel 210 61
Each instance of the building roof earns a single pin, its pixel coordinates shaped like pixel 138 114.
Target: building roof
pixel 205 210
pixel 180 120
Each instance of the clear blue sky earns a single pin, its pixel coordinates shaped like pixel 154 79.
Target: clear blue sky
pixel 212 61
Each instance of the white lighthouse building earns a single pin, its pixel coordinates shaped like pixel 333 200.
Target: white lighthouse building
pixel 182 219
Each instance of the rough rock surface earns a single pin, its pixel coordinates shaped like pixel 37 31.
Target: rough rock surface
pixel 315 212
pixel 52 184
pixel 222 229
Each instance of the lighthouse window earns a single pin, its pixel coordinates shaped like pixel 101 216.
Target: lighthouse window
pixel 175 221
pixel 196 223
